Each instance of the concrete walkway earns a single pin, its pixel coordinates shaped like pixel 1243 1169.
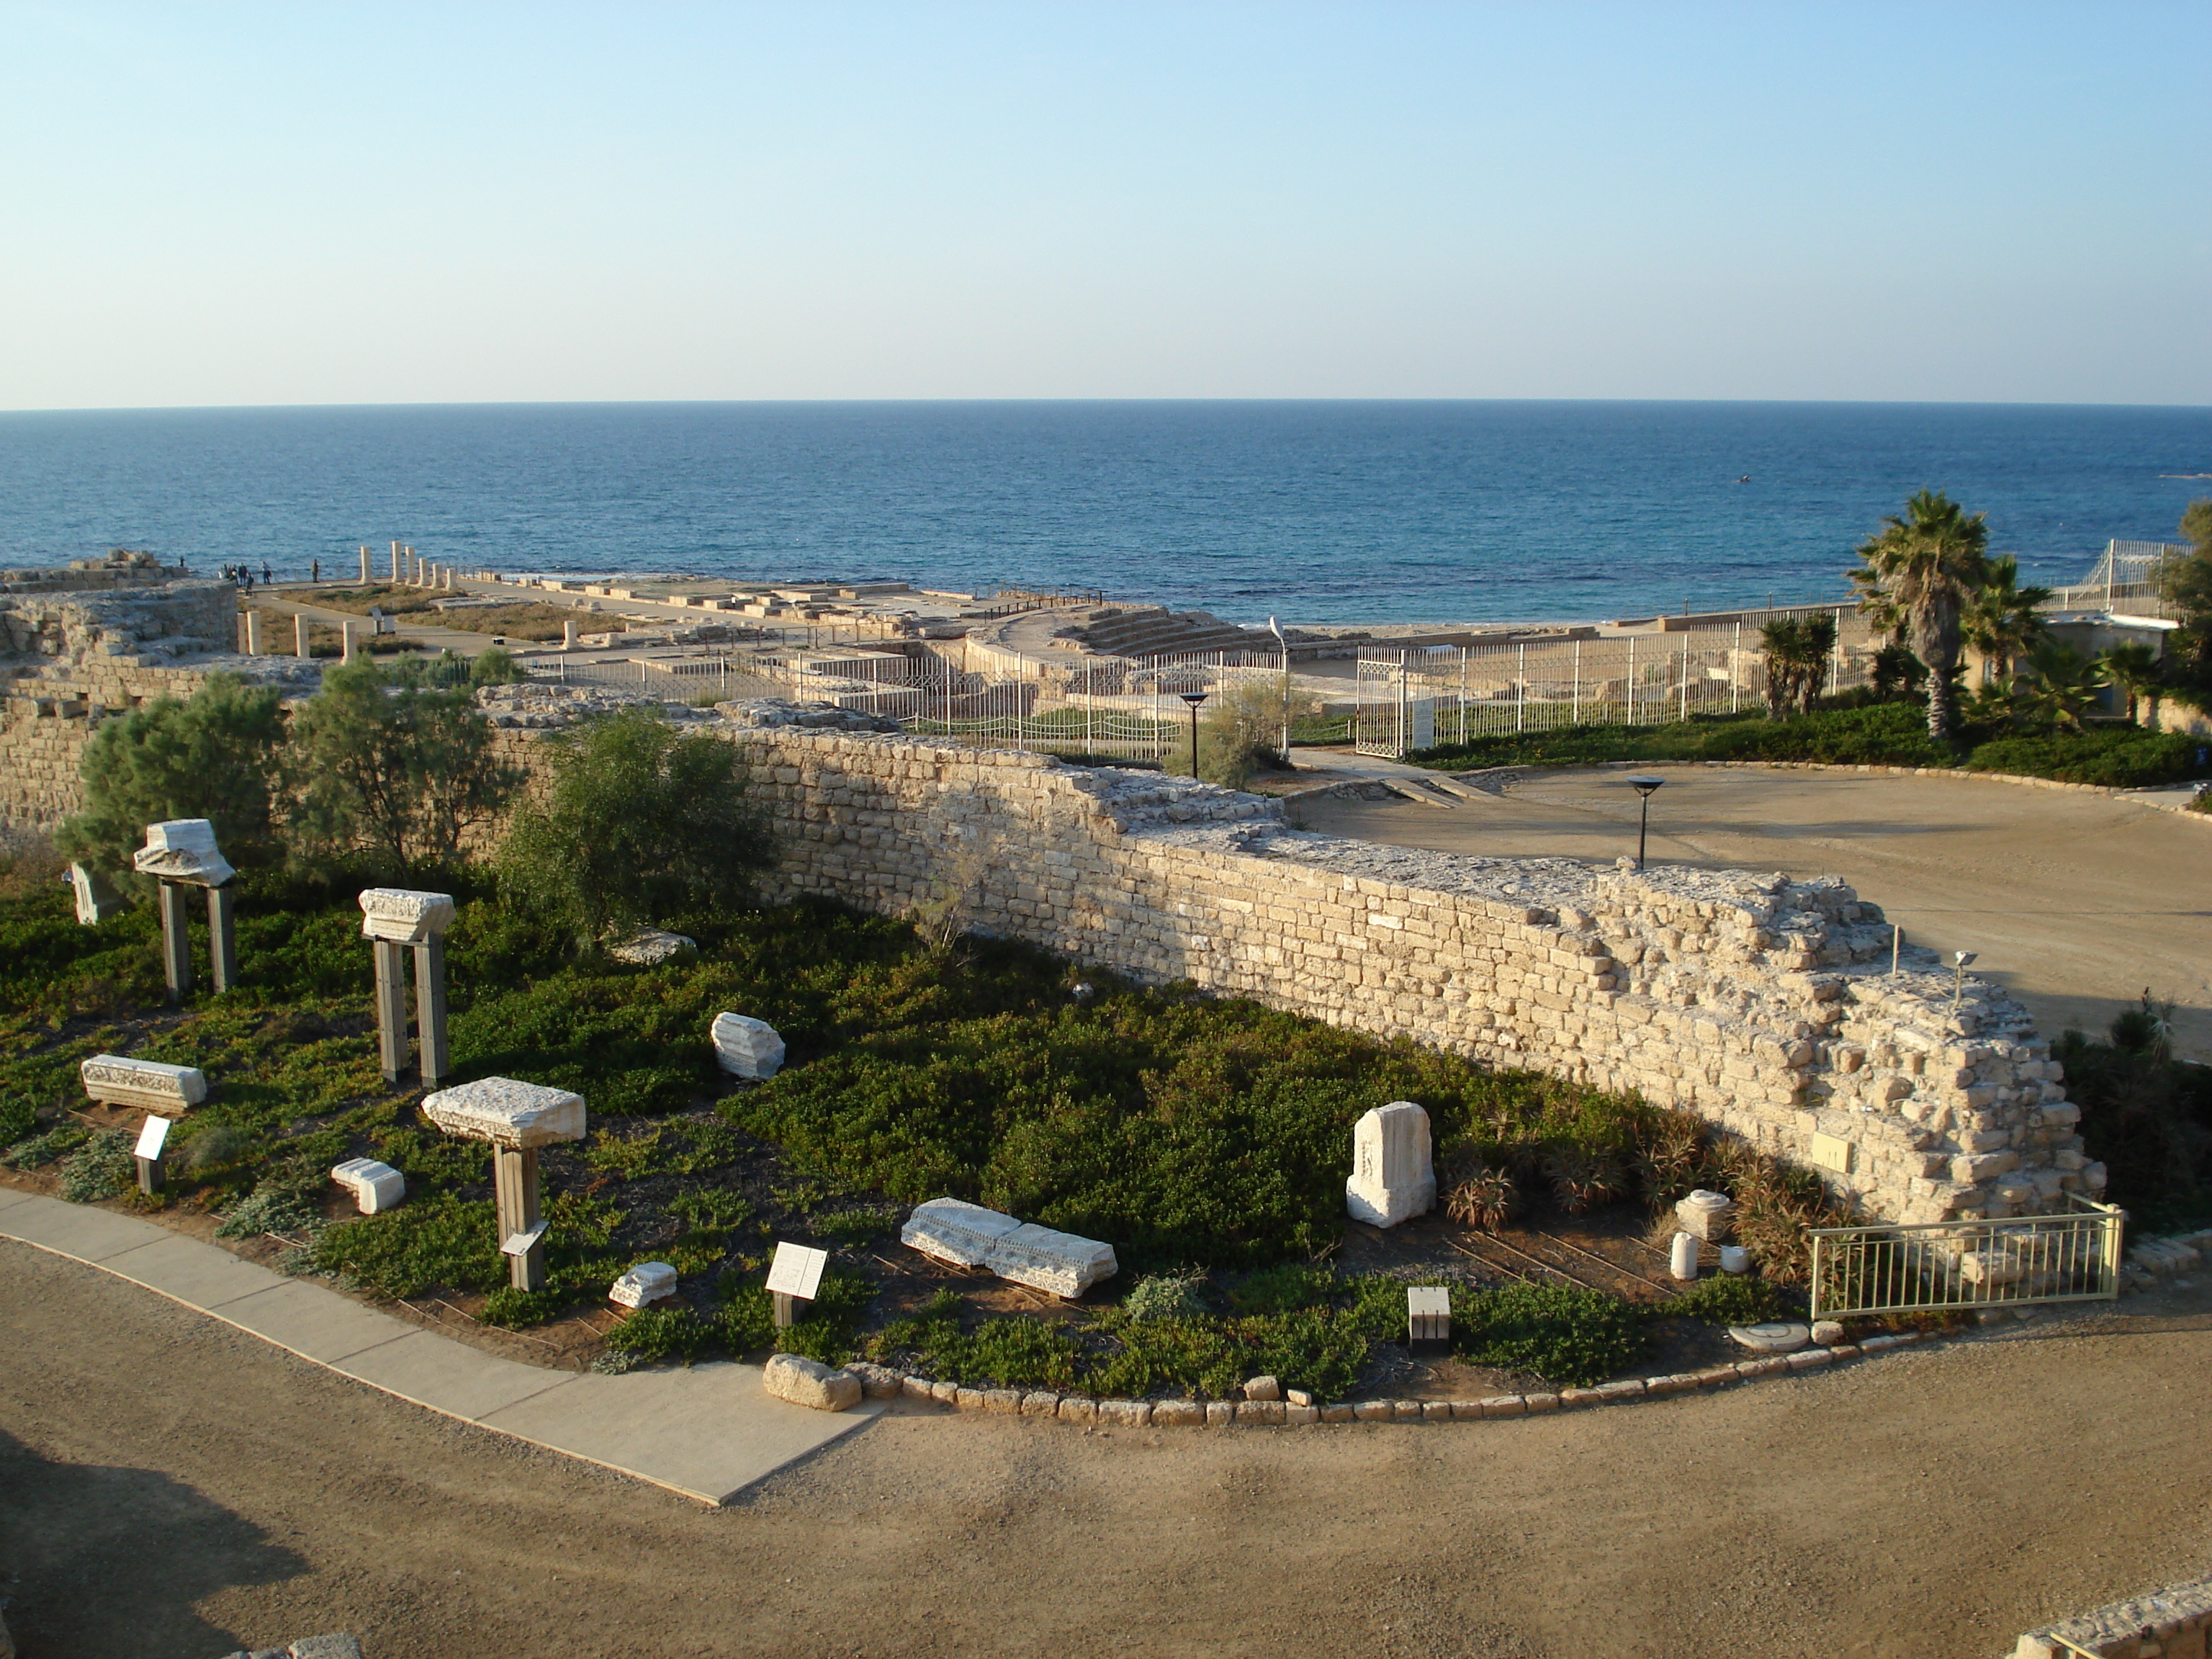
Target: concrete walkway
pixel 707 1432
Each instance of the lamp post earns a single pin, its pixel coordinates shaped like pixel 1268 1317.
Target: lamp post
pixel 1961 961
pixel 1194 698
pixel 1644 788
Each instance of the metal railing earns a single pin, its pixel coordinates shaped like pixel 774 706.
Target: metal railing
pixel 2073 1257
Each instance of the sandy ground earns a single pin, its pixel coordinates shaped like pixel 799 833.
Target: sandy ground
pixel 176 1489
pixel 2074 902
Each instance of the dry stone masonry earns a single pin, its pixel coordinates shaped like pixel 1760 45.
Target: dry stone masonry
pixel 1762 1005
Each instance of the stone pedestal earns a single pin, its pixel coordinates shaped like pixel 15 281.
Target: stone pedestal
pixel 395 920
pixel 253 643
pixel 364 566
pixel 302 636
pixel 1393 1179
pixel 176 942
pixel 348 639
pixel 516 1119
pixel 395 564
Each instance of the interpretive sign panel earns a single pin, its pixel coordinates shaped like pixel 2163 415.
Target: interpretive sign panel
pixel 796 1270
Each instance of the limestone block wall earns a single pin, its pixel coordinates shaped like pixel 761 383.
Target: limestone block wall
pixel 1762 1005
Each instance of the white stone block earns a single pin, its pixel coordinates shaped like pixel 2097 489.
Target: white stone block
pixel 95 900
pixel 653 947
pixel 809 1383
pixel 183 849
pixel 973 1236
pixel 648 1282
pixel 1779 1337
pixel 1393 1179
pixel 1428 1313
pixel 375 1187
pixel 507 1113
pixel 1708 1216
pixel 117 1080
pixel 745 1047
pixel 404 915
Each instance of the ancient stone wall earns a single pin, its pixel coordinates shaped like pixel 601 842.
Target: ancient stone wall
pixel 1762 1005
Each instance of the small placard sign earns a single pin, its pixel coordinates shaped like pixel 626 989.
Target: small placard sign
pixel 521 1243
pixel 796 1270
pixel 153 1135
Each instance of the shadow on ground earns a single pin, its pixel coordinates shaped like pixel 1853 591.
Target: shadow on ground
pixel 110 1563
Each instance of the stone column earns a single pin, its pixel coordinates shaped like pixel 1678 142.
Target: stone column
pixel 516 1119
pixel 446 577
pixel 222 938
pixel 253 633
pixel 302 636
pixel 395 564
pixel 176 942
pixel 393 918
pixel 364 566
pixel 348 639
pixel 568 633
pixel 390 1008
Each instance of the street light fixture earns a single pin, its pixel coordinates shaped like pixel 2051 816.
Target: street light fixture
pixel 1645 786
pixel 1964 960
pixel 1194 698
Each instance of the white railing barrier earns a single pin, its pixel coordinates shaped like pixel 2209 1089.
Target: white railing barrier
pixel 2073 1257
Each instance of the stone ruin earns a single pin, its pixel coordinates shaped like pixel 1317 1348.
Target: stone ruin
pixel 1393 1179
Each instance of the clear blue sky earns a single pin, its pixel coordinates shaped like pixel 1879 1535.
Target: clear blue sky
pixel 309 203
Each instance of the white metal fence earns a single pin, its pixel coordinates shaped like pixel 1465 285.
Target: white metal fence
pixel 1417 699
pixel 2069 1257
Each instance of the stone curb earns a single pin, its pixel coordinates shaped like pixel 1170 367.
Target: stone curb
pixel 886 1383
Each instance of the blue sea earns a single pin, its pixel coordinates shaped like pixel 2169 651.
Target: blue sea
pixel 1313 512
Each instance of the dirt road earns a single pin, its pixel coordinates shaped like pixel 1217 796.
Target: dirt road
pixel 2074 902
pixel 174 1488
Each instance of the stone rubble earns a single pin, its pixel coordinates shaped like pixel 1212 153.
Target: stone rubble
pixel 653 947
pixel 809 1383
pixel 648 1282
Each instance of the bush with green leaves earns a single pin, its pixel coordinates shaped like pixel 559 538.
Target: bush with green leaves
pixel 1564 1333
pixel 390 771
pixel 100 1168
pixel 214 755
pixel 17 1119
pixel 1725 1299
pixel 1166 1296
pixel 638 822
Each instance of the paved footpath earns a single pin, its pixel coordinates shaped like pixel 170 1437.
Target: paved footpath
pixel 707 1432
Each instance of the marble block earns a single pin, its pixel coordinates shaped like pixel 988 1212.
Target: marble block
pixel 375 1187
pixel 1392 1178
pixel 653 947
pixel 506 1113
pixel 116 1080
pixel 648 1282
pixel 1428 1313
pixel 745 1047
pixel 1707 1216
pixel 404 915
pixel 973 1236
pixel 183 849
pixel 95 900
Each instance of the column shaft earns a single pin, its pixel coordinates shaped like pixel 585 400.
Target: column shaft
pixel 176 942
pixel 430 1008
pixel 391 1007
pixel 222 940
pixel 514 1185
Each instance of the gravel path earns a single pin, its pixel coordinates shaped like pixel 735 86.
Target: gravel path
pixel 175 1489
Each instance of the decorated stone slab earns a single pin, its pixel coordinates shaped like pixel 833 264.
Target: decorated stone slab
pixel 648 1282
pixel 518 1115
pixel 404 915
pixel 970 1236
pixel 745 1047
pixel 95 900
pixel 375 1187
pixel 183 849
pixel 117 1080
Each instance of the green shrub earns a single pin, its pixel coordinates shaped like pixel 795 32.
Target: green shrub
pixel 44 1149
pixel 438 1241
pixel 2118 759
pixel 513 1309
pixel 637 822
pixel 102 1168
pixel 213 756
pixel 1727 1299
pixel 1166 1296
pixel 1562 1333
pixel 17 1119
pixel 854 1226
pixel 653 1335
pixel 215 1146
pixel 272 1208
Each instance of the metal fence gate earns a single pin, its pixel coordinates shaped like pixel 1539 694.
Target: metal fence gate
pixel 2073 1256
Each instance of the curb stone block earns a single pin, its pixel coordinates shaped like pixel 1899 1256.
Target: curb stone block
pixel 918 1387
pixel 1220 1413
pixel 1719 1376
pixel 1845 1351
pixel 968 1400
pixel 1178 1413
pixel 1261 1411
pixel 1626 1389
pixel 1002 1402
pixel 1125 1413
pixel 1073 1408
pixel 1436 1411
pixel 946 1394
pixel 1296 1414
pixel 1810 1358
pixel 1503 1405
pixel 1338 1414
pixel 1372 1411
pixel 1406 1411
pixel 1570 1398
pixel 1540 1402
pixel 1039 1403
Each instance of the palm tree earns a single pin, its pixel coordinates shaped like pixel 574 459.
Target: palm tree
pixel 2135 669
pixel 2002 620
pixel 2064 685
pixel 1919 574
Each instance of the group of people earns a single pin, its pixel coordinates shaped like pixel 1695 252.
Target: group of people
pixel 242 575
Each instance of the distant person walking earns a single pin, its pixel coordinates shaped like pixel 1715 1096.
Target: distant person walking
pixel 314 571
pixel 268 576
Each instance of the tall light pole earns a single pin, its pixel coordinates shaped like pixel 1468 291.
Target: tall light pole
pixel 1645 788
pixel 1194 698
pixel 1961 961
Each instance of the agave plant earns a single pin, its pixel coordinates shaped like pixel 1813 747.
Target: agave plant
pixel 1582 1177
pixel 1486 1199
